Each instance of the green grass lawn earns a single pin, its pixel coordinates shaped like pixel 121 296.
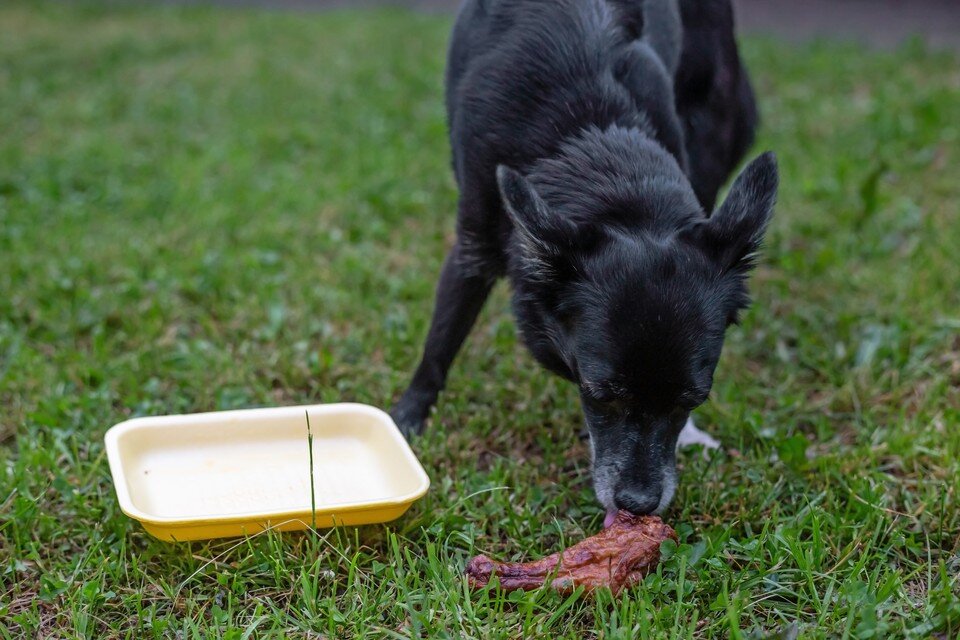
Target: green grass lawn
pixel 212 209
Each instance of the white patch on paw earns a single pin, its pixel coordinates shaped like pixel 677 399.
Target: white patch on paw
pixel 691 436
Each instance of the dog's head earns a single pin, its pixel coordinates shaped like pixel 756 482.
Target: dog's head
pixel 637 320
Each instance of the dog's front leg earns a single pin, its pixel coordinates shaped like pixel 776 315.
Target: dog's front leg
pixel 465 283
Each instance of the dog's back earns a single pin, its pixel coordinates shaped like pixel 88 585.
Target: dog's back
pixel 535 70
pixel 523 75
pixel 715 100
pixel 526 76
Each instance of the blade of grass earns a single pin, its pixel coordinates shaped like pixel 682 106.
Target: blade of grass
pixel 313 495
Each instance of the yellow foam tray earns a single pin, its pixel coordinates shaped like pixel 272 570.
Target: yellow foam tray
pixel 233 473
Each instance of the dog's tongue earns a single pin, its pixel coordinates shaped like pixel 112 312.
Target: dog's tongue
pixel 611 516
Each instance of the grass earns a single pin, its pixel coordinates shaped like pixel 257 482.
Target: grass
pixel 313 490
pixel 206 209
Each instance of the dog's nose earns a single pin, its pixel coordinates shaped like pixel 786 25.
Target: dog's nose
pixel 637 502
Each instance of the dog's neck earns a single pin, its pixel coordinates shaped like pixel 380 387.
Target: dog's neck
pixel 620 178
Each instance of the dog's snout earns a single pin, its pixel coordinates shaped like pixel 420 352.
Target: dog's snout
pixel 639 502
pixel 634 463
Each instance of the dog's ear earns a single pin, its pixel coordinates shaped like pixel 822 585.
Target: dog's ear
pixel 733 234
pixel 542 232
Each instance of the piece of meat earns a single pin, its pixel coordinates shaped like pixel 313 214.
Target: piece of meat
pixel 617 557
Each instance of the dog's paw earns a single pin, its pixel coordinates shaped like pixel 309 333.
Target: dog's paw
pixel 410 416
pixel 691 436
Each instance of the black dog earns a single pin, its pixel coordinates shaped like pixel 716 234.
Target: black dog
pixel 585 179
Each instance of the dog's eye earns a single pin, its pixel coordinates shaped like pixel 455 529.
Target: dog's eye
pixel 605 392
pixel 599 395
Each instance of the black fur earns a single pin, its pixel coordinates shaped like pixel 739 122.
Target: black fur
pixel 714 98
pixel 574 160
